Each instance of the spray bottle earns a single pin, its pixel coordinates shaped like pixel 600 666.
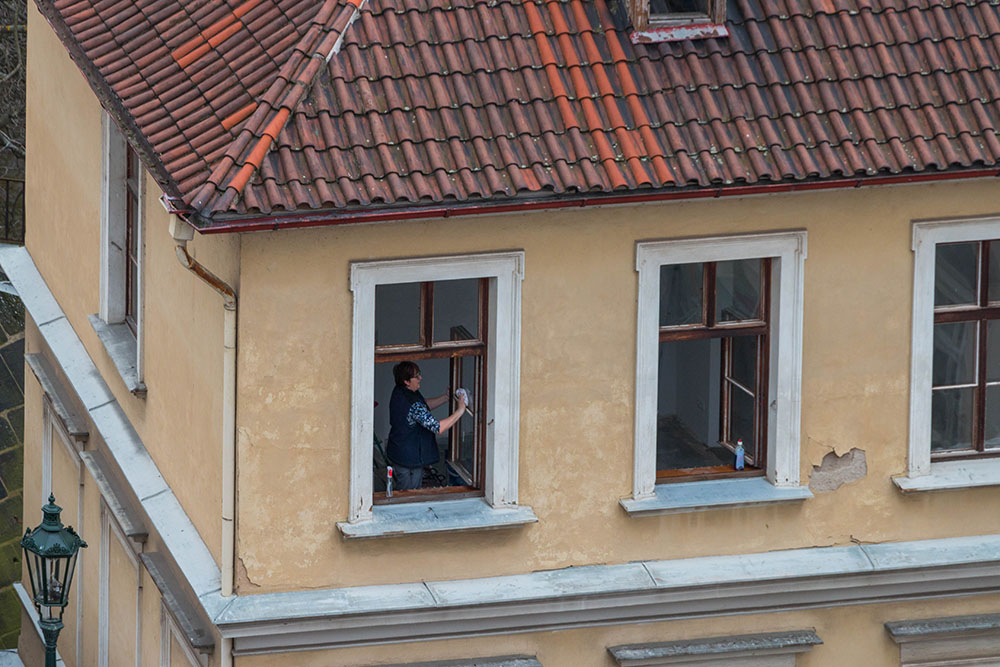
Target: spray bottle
pixel 740 454
pixel 388 481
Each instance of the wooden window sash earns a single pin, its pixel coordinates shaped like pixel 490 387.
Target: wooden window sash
pixel 476 349
pixel 710 329
pixel 983 312
pixel 131 238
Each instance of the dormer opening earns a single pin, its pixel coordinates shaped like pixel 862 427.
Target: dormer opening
pixel 673 20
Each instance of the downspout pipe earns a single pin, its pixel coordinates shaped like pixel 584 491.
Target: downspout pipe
pixel 182 233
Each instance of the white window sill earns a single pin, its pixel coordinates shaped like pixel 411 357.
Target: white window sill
pixel 120 344
pixel 714 495
pixel 953 475
pixel 437 516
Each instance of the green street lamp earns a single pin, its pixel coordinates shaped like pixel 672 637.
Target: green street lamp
pixel 50 552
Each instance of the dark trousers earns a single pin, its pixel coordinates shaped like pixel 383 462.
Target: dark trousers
pixel 407 478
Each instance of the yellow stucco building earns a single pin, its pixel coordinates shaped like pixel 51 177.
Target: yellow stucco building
pixel 720 288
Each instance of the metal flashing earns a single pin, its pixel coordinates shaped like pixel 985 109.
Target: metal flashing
pixel 435 517
pixel 129 520
pixel 198 635
pixel 122 347
pixel 950 475
pixel 713 495
pixel 139 471
pixel 74 424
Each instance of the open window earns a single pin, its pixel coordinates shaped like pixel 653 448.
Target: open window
pixel 712 374
pixel 718 361
pixel 119 321
pixel 442 326
pixel 673 20
pixel 458 318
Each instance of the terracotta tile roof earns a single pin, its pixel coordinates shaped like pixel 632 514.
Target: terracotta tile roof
pixel 246 107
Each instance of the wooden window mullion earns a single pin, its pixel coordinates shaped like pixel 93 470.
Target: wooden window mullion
pixel 979 411
pixel 708 296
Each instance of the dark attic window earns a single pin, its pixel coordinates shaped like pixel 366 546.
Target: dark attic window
pixel 676 20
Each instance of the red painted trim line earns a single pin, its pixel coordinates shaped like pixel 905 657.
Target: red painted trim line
pixel 327 218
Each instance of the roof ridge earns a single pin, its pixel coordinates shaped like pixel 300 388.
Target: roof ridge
pixel 321 40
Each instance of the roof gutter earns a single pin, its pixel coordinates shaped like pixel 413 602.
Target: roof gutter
pixel 327 218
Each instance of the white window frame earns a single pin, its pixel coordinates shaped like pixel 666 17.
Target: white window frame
pixel 170 631
pixel 947 474
pixel 109 528
pixel 52 427
pixel 788 250
pixel 113 234
pixel 505 270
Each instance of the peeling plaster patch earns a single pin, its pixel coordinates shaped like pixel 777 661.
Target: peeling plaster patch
pixel 835 471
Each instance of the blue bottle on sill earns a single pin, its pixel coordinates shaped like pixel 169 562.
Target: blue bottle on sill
pixel 740 455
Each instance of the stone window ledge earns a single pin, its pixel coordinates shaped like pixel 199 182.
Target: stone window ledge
pixel 775 649
pixel 718 494
pixel 953 475
pixel 120 344
pixel 436 516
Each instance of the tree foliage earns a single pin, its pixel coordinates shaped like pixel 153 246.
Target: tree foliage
pixel 13 58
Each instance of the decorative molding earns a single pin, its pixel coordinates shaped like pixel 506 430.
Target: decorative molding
pixel 75 425
pixel 769 649
pixel 784 387
pixel 498 661
pixel 505 271
pixel 953 641
pixel 613 594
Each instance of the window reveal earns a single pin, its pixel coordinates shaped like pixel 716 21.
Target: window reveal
pixel 712 387
pixel 442 326
pixel 965 392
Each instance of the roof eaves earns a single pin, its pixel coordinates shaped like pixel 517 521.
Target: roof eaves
pixel 110 100
pixel 321 41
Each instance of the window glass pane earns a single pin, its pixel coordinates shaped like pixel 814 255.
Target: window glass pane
pixel 994 287
pixel 467 424
pixel 397 314
pixel 687 431
pixel 456 310
pixel 951 419
pixel 992 432
pixel 993 348
pixel 956 273
pixel 955 353
pixel 680 294
pixel 678 6
pixel 737 290
pixel 741 426
pixel 133 295
pixel 743 366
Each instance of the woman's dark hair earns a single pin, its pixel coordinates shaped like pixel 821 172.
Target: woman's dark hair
pixel 403 371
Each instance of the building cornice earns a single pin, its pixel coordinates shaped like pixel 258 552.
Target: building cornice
pixel 640 592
